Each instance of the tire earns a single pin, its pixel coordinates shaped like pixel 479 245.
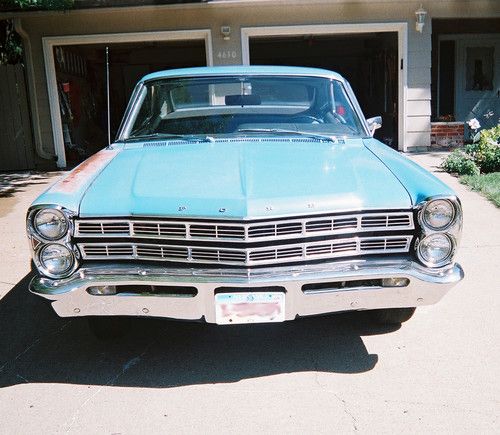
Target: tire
pixel 108 327
pixel 391 316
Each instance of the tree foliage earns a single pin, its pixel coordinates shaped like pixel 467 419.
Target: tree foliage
pixel 38 4
pixel 11 47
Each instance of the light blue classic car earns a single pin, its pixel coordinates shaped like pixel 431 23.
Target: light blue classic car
pixel 243 195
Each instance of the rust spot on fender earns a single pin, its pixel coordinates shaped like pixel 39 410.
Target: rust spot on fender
pixel 85 172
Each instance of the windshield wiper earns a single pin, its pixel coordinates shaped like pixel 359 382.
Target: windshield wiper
pixel 185 137
pixel 285 131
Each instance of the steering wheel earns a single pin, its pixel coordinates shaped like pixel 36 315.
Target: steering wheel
pixel 340 117
pixel 307 119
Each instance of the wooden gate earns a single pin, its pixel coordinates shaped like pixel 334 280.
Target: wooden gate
pixel 16 141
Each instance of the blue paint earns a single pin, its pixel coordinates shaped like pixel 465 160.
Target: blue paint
pixel 243 70
pixel 419 183
pixel 69 194
pixel 249 179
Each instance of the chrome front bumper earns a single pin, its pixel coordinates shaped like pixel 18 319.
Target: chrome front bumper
pixel 71 298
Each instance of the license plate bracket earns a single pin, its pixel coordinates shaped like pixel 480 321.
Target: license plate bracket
pixel 233 308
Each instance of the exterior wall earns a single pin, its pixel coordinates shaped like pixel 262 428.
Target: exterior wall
pixel 254 13
pixel 418 95
pixel 447 134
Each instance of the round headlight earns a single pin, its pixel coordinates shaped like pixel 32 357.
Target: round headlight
pixel 51 224
pixel 56 259
pixel 438 214
pixel 435 249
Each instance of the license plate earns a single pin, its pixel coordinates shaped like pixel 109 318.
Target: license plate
pixel 249 307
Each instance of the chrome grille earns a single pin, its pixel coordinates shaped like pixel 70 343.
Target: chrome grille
pixel 209 231
pixel 239 231
pixel 332 248
pixel 110 250
pixel 158 229
pixel 246 256
pixel 274 230
pixel 387 221
pixel 104 228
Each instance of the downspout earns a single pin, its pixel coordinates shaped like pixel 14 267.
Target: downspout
pixel 35 120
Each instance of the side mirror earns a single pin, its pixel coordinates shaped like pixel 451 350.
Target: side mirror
pixel 374 123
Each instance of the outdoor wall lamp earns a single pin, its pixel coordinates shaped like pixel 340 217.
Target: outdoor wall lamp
pixel 226 32
pixel 420 13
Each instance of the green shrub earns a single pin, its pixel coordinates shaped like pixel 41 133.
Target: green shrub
pixel 487 154
pixel 471 148
pixel 489 159
pixel 483 155
pixel 460 163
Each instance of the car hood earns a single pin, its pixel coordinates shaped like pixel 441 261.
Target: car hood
pixel 243 179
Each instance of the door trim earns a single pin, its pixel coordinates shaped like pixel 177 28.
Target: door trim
pixel 112 38
pixel 335 29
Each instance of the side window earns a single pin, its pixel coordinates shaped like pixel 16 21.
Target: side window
pixel 342 106
pixel 143 117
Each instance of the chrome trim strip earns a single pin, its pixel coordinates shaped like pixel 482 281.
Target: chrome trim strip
pixel 281 229
pixel 247 256
pixel 264 218
pixel 70 297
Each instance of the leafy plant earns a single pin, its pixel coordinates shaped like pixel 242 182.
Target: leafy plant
pixel 460 163
pixel 482 155
pixel 487 154
pixel 11 47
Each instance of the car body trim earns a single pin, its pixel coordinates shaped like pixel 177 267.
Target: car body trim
pixel 70 296
pixel 238 231
pixel 272 254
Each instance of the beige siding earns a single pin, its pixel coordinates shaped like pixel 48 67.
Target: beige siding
pixel 417 139
pixel 418 96
pixel 419 76
pixel 421 93
pixel 418 108
pixel 418 124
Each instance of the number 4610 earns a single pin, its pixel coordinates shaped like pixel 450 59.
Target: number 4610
pixel 227 54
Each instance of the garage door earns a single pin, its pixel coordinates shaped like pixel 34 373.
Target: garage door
pixel 369 61
pixel 80 71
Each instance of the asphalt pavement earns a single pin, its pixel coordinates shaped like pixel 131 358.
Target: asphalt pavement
pixel 437 373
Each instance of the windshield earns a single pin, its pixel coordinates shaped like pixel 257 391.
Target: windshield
pixel 242 104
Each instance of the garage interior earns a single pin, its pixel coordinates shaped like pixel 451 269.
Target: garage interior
pixel 369 61
pixel 81 82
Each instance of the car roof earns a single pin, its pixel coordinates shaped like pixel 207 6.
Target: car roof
pixel 243 70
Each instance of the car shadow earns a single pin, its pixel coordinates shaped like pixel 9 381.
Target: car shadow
pixel 36 346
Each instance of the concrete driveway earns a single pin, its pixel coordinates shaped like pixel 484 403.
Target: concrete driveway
pixel 438 373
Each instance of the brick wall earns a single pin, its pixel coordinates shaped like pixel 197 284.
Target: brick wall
pixel 447 134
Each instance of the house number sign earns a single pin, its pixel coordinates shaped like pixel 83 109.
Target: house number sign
pixel 227 54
